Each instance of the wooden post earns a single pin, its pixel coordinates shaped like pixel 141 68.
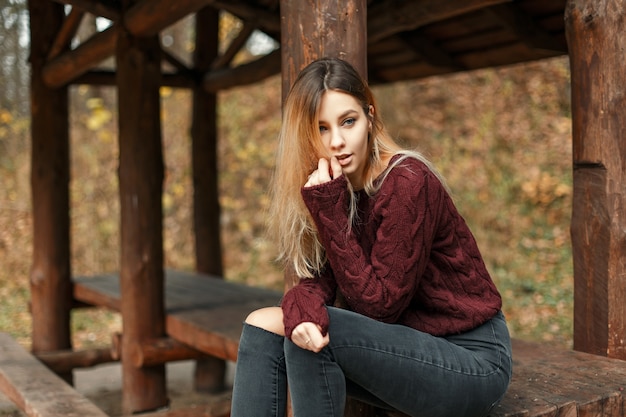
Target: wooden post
pixel 210 372
pixel 141 186
pixel 595 34
pixel 335 28
pixel 50 283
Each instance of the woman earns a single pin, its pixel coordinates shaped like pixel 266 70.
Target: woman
pixel 361 220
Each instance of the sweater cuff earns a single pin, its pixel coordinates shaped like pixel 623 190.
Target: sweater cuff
pixel 303 306
pixel 326 194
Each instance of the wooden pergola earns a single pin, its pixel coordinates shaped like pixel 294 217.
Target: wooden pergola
pixel 388 41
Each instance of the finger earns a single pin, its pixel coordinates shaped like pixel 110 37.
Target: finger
pixel 317 341
pixel 310 179
pixel 335 167
pixel 323 171
pixel 308 336
pixel 300 335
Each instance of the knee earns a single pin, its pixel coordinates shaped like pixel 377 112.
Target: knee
pixel 269 318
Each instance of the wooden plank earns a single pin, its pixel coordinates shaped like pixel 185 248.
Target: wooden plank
pixel 35 389
pixel 548 381
pixel 100 290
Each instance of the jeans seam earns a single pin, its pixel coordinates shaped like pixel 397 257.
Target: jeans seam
pixel 328 392
pixel 275 385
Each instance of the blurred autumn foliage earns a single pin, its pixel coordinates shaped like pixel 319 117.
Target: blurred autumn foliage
pixel 501 137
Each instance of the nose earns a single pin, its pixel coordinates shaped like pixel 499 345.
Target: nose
pixel 336 140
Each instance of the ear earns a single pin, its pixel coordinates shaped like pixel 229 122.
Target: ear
pixel 370 116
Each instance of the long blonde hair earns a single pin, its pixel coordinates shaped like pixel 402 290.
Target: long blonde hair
pixel 299 150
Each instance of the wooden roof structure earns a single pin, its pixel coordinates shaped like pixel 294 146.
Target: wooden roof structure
pixel 405 39
pixel 388 41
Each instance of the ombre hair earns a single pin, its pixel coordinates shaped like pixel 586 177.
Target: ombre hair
pixel 299 149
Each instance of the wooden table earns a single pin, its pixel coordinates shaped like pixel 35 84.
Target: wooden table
pixel 203 312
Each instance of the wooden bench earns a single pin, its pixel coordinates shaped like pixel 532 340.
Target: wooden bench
pixel 564 383
pixel 35 389
pixel 206 313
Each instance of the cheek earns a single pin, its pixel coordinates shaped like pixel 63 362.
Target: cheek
pixel 364 141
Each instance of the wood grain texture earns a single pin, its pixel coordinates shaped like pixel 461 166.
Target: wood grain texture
pixel 35 389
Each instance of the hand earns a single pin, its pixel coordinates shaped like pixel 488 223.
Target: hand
pixel 308 336
pixel 325 172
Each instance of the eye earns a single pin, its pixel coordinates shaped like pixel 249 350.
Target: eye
pixel 323 129
pixel 349 121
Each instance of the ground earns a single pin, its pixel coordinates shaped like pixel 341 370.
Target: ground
pixel 103 384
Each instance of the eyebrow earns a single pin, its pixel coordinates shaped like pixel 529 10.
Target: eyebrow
pixel 344 114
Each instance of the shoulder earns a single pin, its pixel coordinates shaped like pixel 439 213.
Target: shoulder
pixel 408 170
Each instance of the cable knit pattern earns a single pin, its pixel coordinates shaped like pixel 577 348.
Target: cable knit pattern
pixel 410 259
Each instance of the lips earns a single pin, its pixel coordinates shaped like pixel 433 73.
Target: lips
pixel 344 159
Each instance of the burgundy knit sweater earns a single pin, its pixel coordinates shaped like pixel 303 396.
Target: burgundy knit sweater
pixel 410 259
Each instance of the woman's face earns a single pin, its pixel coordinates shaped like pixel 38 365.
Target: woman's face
pixel 344 128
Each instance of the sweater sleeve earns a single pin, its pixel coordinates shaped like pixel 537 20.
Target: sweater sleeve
pixel 380 283
pixel 306 302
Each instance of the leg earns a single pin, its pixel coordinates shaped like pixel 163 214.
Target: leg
pixel 414 372
pixel 260 385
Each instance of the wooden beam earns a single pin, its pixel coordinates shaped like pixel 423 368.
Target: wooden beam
pixel 66 67
pixel 599 152
pixel 391 17
pixel 149 17
pixel 66 33
pixel 244 74
pixel 163 350
pixel 208 248
pixel 235 46
pixel 210 372
pixel 140 173
pixel 430 52
pixel 62 361
pixel 109 9
pixel 107 78
pixel 69 66
pixel 50 277
pixel 267 21
pixel 175 62
pixel 307 34
pixel 512 17
pixel 153 352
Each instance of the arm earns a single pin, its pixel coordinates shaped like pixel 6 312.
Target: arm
pixel 380 281
pixel 306 302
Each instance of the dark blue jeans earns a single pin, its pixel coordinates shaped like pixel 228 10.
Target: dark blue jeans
pixel 388 365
